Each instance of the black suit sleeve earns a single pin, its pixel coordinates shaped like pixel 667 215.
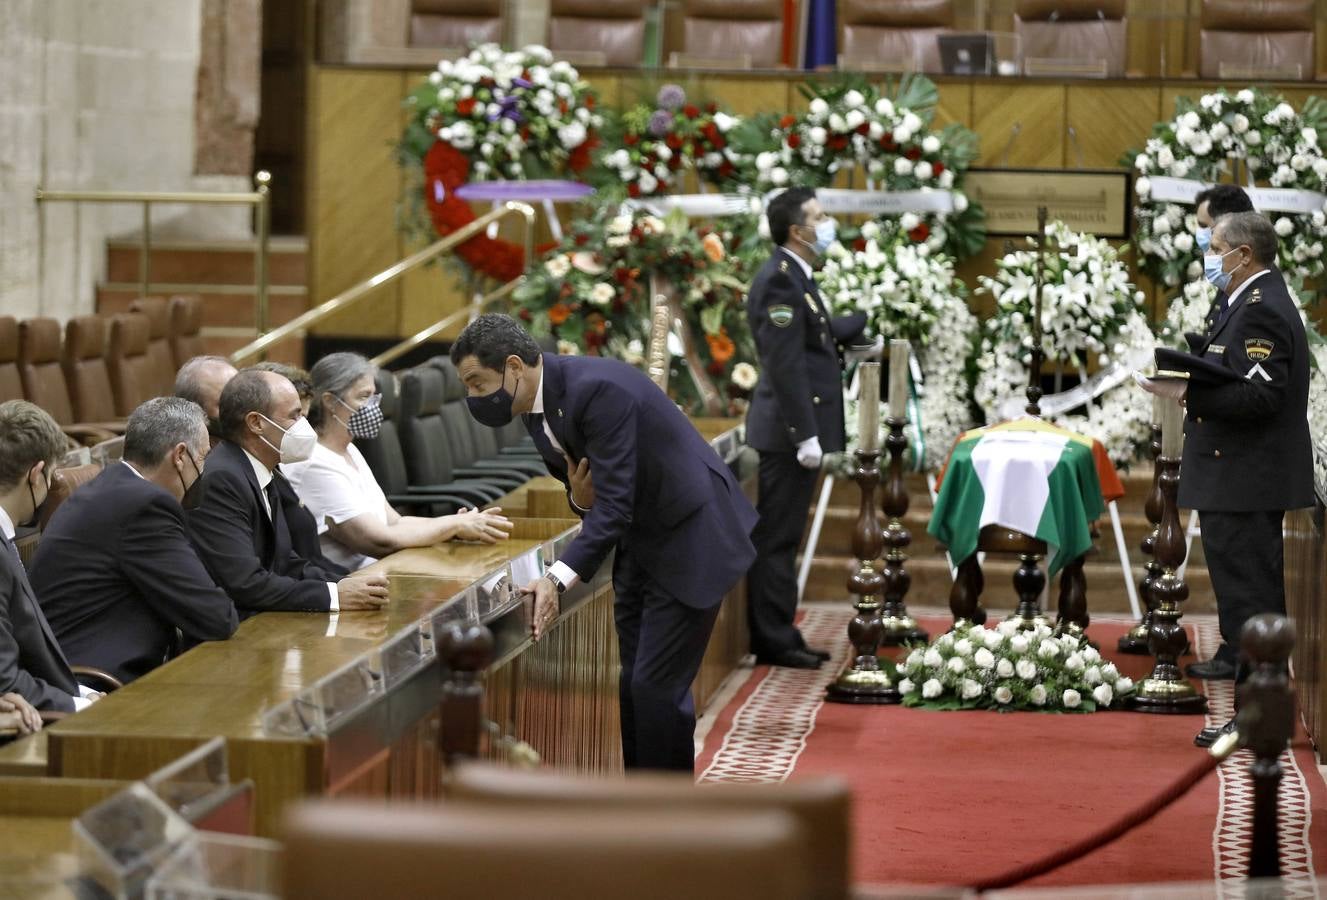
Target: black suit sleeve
pixel 1263 389
pixel 13 677
pixel 847 329
pixel 156 556
pixel 781 341
pixel 222 532
pixel 610 429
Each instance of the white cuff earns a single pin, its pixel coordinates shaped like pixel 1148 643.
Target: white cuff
pixel 81 703
pixel 336 600
pixel 565 574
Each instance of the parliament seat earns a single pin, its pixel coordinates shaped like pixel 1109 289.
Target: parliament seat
pixel 85 369
pixel 128 363
pixel 603 32
pixel 1257 39
pixel 512 439
pixel 63 483
pixel 821 805
pixel 41 372
pixel 186 324
pixel 1059 34
pixel 474 447
pixel 160 366
pixel 11 385
pixel 740 33
pixel 455 24
pixel 893 34
pixel 356 849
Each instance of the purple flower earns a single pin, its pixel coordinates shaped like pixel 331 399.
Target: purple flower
pixel 671 96
pixel 660 122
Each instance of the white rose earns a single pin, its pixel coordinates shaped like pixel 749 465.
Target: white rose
pixel 1284 111
pixel 956 665
pixel 1184 242
pixel 916 656
pixel 1253 138
pixel 1183 135
pixel 1124 685
pixel 1090 654
pixel 853 98
pixel 1072 699
pixel 818 136
pixel 1202 145
pixel 1309 135
pixel 854 119
pixel 1003 694
pixel 1038 695
pixel 1245 96
pixel 1299 162
pixel 930 144
pixel 558 266
pixel 1143 187
pixel 572 136
pixel 779 176
pixel 923 170
pixel 932 689
pixel 1074 662
pixel 1239 124
pixel 933 658
pixel 992 639
pixel 1103 694
pixel 969 689
pixel 963 647
pixel 1165 159
pixel 648 183
pixel 1141 162
pixel 947 182
pixel 906 686
pixel 1007 628
pixel 884 107
pixel 945 641
pixel 819 107
pixel 1048 650
pixel 766 161
pixel 984 658
pixel 1219 131
pixel 1018 643
pixel 909 221
pixel 1320 167
pixel 877 131
pixel 1161 225
pixel 1284 227
pixel 1109 672
pixel 902 166
pixel 745 377
pixel 1192 120
pixel 663 152
pixel 837 123
pixel 1093 675
pixel 1026 669
pixel 1004 668
pixel 602 294
pixel 724 122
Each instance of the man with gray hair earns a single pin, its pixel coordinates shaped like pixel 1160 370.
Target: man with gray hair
pixel 201 380
pixel 116 573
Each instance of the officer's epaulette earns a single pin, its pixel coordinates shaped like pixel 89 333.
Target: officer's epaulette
pixel 1255 296
pixel 783 265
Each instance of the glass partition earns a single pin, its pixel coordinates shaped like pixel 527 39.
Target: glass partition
pixel 219 867
pixel 122 839
pixel 193 779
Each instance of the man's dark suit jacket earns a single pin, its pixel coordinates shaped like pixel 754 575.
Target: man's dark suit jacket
pixel 661 493
pixel 116 576
pixel 31 663
pixel 303 529
pixel 249 553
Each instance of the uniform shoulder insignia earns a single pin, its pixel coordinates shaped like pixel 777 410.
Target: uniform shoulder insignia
pixel 781 316
pixel 811 302
pixel 1255 296
pixel 783 265
pixel 1258 349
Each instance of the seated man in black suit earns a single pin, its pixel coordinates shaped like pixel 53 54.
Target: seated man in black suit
pixel 240 528
pixel 31 662
pixel 115 572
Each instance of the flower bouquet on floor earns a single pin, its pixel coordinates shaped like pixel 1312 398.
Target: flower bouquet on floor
pixel 1005 668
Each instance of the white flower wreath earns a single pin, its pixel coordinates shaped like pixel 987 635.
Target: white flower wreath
pixel 1279 147
pixel 1090 314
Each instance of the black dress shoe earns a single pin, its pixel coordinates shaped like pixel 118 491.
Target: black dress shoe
pixel 822 655
pixel 1214 669
pixel 791 659
pixel 1209 736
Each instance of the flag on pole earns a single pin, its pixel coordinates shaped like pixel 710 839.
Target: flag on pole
pixel 821 35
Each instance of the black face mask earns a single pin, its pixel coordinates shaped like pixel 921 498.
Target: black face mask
pixel 36 507
pixel 494 410
pixel 194 493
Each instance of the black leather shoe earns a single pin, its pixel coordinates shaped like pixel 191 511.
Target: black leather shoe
pixel 1215 669
pixel 791 659
pixel 1209 736
pixel 822 655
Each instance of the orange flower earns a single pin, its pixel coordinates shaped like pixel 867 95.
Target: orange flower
pixel 558 313
pixel 721 347
pixel 713 247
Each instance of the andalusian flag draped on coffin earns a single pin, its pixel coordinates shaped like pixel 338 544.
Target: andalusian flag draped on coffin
pixel 1027 475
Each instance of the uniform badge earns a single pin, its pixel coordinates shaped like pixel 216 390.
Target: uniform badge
pixel 811 303
pixel 1216 348
pixel 1258 349
pixel 1255 295
pixel 781 316
pixel 783 265
pixel 1259 371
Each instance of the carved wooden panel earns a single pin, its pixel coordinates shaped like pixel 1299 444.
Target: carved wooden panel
pixel 1019 124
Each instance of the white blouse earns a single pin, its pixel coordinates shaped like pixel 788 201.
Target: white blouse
pixel 335 489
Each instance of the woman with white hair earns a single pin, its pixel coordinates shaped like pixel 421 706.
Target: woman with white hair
pixel 356 524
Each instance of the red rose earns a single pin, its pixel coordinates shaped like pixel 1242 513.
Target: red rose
pixel 726 169
pixel 711 108
pixel 794 140
pixel 719 143
pixel 633 190
pixel 920 233
pixel 691 112
pixel 937 167
pixel 674 141
pixel 864 128
pixel 525 315
pixel 631 140
pixel 787 121
pixel 582 240
pixel 589 101
pixel 859 245
pixel 837 142
pixel 465 106
pixel 913 153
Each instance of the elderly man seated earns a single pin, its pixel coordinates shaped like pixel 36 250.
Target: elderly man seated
pixel 115 572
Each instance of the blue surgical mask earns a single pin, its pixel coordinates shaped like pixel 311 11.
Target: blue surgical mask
pixel 826 232
pixel 1203 238
pixel 1213 272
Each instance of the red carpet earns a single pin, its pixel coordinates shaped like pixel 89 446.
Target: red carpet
pixel 952 797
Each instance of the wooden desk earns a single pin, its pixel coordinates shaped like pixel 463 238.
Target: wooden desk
pixel 37 817
pixel 25 756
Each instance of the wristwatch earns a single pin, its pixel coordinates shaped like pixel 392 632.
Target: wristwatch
pixel 556 582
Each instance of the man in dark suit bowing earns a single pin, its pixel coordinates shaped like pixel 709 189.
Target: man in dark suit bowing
pixel 648 488
pixel 31 662
pixel 115 571
pixel 239 528
pixel 796 414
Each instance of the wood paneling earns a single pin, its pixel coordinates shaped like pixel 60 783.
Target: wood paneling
pixel 955 104
pixel 1108 120
pixel 750 95
pixel 1038 112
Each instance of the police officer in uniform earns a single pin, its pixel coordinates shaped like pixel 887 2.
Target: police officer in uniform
pixel 796 415
pixel 1247 454
pixel 1211 204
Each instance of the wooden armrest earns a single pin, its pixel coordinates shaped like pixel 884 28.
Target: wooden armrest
pixel 96 679
pixel 52 715
pixel 87 434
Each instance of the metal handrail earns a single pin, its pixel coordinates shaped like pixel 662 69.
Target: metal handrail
pixel 410 343
pixel 259 198
pixel 390 274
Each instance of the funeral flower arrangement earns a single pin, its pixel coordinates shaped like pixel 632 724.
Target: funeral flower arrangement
pixel 1277 144
pixel 1005 668
pixel 1091 317
pixel 907 291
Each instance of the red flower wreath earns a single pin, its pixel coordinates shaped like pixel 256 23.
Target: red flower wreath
pixel 445 170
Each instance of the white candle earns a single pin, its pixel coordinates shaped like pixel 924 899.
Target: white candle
pixel 868 407
pixel 1156 410
pixel 899 353
pixel 1172 427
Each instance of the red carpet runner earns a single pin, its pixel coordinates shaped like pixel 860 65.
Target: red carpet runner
pixel 952 797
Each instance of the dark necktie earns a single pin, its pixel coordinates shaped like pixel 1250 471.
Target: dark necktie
pixel 274 499
pixel 534 424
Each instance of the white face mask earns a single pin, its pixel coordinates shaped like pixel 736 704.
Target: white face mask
pixel 297 441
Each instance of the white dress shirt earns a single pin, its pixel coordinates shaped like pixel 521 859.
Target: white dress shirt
pixel 559 570
pixel 265 476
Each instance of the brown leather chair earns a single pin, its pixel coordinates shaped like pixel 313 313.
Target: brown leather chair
pixel 356 849
pixel 1246 37
pixel 186 325
pixel 11 385
pixel 822 805
pixel 63 483
pixel 42 375
pixel 747 30
pixel 86 373
pixel 893 33
pixel 160 363
pixel 455 23
pixel 1073 31
pixel 127 361
pixel 612 29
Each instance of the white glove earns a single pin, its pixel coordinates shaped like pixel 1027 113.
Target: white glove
pixel 1168 387
pixel 870 351
pixel 809 453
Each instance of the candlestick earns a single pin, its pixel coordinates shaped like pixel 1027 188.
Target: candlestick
pixel 1172 427
pixel 899 354
pixel 1156 410
pixel 868 407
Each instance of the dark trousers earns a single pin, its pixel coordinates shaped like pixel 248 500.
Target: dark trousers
pixel 786 489
pixel 662 642
pixel 1246 560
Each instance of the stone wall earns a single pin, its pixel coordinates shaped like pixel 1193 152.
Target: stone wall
pixel 95 94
